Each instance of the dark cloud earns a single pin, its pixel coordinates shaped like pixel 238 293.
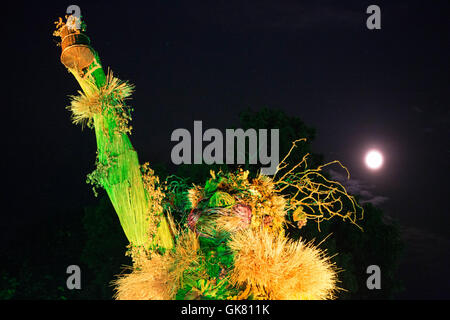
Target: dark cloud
pixel 375 200
pixel 360 188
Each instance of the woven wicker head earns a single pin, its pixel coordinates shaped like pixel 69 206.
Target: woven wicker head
pixel 76 50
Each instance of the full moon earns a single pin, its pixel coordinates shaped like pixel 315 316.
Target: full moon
pixel 374 159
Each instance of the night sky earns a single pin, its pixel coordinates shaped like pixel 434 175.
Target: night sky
pixel 316 60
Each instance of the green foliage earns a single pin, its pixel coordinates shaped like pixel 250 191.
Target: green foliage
pixel 205 290
pixel 220 199
pixel 8 286
pixel 176 200
pixel 211 186
pixel 291 128
pixel 216 261
pixel 102 168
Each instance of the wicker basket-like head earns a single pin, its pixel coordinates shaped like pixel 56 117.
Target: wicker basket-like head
pixel 76 50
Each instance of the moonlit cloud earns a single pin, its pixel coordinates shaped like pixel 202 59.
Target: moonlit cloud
pixel 360 188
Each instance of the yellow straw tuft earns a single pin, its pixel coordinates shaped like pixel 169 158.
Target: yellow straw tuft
pixel 280 269
pixel 151 281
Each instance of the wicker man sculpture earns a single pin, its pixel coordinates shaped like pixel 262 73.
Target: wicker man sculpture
pixel 231 243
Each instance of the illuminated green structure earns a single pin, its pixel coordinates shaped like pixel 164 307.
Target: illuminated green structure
pixel 232 244
pixel 101 105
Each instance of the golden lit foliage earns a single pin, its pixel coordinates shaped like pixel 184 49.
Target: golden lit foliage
pixel 273 267
pixel 150 280
pixel 186 255
pixel 159 276
pixel 312 195
pixel 195 194
pixel 108 99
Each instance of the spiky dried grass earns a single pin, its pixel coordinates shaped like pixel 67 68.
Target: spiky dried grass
pixel 235 219
pixel 159 277
pixel 280 269
pixel 187 255
pixel 150 281
pixel 93 101
pixel 230 223
pixel 84 107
